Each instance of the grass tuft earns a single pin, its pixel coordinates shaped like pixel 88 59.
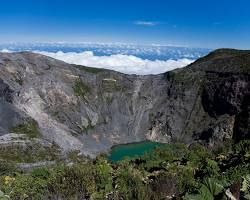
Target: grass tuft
pixel 29 128
pixel 80 88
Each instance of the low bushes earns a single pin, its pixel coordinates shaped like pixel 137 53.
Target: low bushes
pixel 175 171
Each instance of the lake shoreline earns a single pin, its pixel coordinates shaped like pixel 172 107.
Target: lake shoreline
pixel 132 150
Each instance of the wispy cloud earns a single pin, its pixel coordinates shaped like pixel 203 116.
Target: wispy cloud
pixel 216 23
pixel 146 23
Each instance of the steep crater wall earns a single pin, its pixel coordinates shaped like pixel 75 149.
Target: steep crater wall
pixel 93 109
pixel 228 93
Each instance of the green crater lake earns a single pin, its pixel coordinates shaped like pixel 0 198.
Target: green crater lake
pixel 132 150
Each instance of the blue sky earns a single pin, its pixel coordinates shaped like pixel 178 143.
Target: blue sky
pixel 207 23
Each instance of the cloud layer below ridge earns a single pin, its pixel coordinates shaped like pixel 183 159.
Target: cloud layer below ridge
pixel 123 63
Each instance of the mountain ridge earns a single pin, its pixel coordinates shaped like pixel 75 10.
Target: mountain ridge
pixel 90 109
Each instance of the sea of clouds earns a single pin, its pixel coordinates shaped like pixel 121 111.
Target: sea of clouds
pixel 125 58
pixel 128 64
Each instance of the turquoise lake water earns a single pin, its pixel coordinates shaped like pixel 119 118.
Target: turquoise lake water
pixel 132 150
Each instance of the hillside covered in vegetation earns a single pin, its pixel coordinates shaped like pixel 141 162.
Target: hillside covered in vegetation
pixel 170 172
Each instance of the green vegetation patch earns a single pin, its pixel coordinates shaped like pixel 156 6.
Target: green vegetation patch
pixel 29 153
pixel 174 170
pixel 80 181
pixel 92 70
pixel 187 78
pixel 29 128
pixel 7 167
pixel 112 85
pixel 80 88
pixel 225 60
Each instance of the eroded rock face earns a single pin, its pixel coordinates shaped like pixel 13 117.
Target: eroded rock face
pixel 5 92
pixel 9 114
pixel 93 109
pixel 225 93
pixel 242 122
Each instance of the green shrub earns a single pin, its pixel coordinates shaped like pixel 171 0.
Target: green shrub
pixel 29 153
pixel 210 189
pixel 246 186
pixel 80 88
pixel 130 184
pixel 29 128
pixel 3 196
pixel 103 180
pixel 7 168
pixel 173 170
pixel 92 70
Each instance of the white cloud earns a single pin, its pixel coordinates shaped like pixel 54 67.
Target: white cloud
pixel 146 23
pixel 123 63
pixel 5 51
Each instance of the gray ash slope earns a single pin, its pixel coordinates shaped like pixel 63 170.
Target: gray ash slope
pixel 92 109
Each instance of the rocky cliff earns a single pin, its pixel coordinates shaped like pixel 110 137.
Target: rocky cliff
pixel 88 109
